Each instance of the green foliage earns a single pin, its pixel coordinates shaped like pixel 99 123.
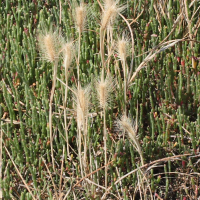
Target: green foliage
pixel 163 98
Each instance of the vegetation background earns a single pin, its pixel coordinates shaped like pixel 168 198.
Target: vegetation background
pixel 157 85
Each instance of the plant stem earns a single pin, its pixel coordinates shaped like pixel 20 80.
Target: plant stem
pixel 79 151
pixel 50 109
pixel 102 49
pixel 78 62
pixel 105 146
pixel 85 143
pixel 65 110
pixel 124 67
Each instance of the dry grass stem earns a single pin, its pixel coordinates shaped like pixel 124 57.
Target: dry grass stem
pixel 50 49
pixel 18 172
pixel 109 14
pixel 122 49
pixel 80 20
pixel 82 105
pixel 50 174
pixel 151 55
pixel 144 166
pixel 104 88
pixel 68 55
pixel 50 46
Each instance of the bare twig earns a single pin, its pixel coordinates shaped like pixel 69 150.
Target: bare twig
pixel 27 187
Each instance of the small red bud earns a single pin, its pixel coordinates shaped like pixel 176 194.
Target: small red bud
pixel 178 59
pixel 183 63
pixel 183 163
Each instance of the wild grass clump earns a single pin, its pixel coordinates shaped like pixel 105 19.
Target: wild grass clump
pixel 58 112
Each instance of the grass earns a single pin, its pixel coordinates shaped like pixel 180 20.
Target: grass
pixel 73 82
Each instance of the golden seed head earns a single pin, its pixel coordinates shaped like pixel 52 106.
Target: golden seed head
pixel 80 17
pixel 125 123
pixel 50 48
pixel 50 45
pixel 110 12
pixel 108 16
pixel 68 54
pixel 104 88
pixel 123 47
pixel 82 105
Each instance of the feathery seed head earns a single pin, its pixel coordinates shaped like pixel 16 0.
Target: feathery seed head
pixel 50 44
pixel 80 17
pixel 110 12
pixel 82 105
pixel 125 124
pixel 68 54
pixel 123 47
pixel 104 88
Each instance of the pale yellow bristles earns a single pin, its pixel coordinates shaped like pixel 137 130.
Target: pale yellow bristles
pixel 108 15
pixel 123 47
pixel 104 88
pixel 102 94
pixel 125 124
pixel 110 12
pixel 49 43
pixel 80 17
pixel 82 103
pixel 50 48
pixel 68 54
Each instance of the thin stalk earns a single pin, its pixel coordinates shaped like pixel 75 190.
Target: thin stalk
pixel 20 175
pixel 65 112
pixel 132 41
pixel 61 174
pixel 105 146
pixel 79 151
pixel 124 67
pixel 78 62
pixel 102 49
pixel 109 44
pixel 85 143
pixel 50 109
